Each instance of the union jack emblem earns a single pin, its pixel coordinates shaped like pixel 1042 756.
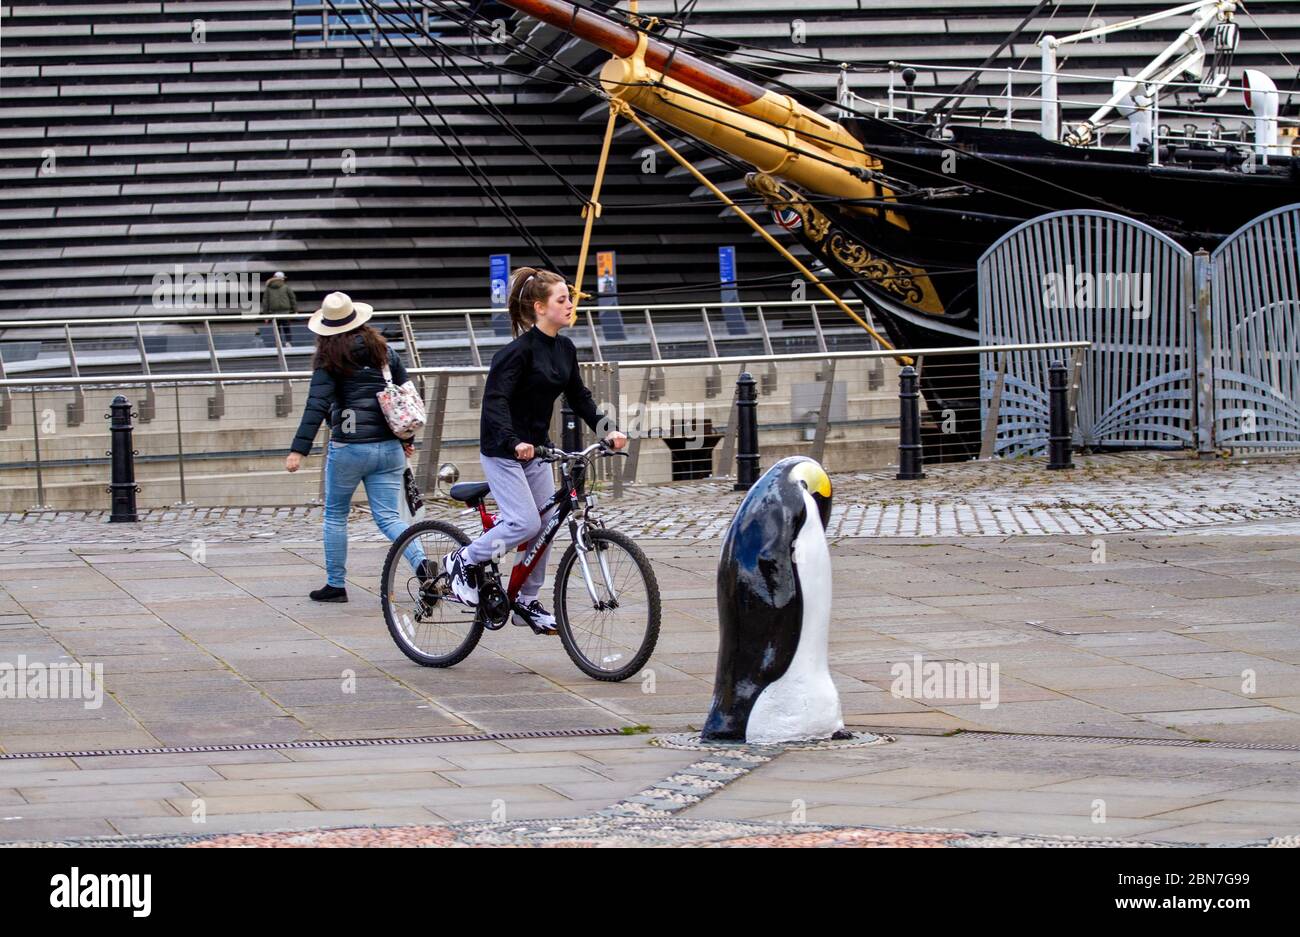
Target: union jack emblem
pixel 787 218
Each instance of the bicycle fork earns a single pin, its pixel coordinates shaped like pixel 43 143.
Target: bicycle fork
pixel 582 549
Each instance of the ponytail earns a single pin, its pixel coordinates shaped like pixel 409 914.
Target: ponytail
pixel 528 285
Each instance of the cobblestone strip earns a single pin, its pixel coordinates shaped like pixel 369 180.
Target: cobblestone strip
pixel 690 785
pixel 719 766
pixel 1106 494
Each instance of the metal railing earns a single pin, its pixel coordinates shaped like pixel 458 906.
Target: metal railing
pixel 1005 103
pixel 227 341
pixel 839 407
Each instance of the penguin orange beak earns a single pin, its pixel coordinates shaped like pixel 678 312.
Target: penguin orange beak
pixel 818 483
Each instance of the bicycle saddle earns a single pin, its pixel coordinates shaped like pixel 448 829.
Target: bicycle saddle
pixel 469 492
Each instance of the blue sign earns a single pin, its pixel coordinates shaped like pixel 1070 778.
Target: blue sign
pixel 499 289
pixel 734 315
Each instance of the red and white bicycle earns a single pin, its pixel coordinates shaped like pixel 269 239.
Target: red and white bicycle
pixel 606 595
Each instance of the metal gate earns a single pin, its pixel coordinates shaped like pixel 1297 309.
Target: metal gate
pixel 1106 279
pixel 1255 287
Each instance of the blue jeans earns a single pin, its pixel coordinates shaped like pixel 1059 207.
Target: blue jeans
pixel 380 466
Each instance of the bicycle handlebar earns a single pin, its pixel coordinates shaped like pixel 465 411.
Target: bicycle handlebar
pixel 600 447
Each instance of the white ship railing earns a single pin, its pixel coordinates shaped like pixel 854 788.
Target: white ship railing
pixel 1009 103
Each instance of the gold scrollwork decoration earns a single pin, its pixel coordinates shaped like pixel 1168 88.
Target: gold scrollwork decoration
pixel 893 279
pixel 907 284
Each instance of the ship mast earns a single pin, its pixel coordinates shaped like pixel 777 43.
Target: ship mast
pixel 666 61
pixel 773 132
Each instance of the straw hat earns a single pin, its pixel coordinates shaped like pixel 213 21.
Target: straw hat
pixel 338 313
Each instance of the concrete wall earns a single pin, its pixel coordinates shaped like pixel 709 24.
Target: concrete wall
pixel 237 458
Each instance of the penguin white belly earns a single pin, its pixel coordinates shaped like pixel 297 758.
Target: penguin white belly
pixel 803 703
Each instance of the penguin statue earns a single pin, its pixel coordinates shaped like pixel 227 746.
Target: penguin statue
pixel 773 682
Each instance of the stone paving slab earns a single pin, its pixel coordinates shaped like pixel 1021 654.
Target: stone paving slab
pixel 269 790
pixel 912 791
pixel 1028 787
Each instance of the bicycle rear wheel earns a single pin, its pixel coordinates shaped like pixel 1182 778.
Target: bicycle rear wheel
pixel 430 628
pixel 609 636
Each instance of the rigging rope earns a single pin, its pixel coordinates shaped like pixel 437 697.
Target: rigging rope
pixel 472 91
pixel 1165 223
pixel 541 60
pixel 486 186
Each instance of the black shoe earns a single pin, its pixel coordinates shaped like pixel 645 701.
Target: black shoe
pixel 427 573
pixel 329 594
pixel 534 616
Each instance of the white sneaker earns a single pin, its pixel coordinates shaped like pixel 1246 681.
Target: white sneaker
pixel 534 616
pixel 457 570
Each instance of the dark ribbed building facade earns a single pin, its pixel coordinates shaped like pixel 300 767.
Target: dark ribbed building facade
pixel 260 135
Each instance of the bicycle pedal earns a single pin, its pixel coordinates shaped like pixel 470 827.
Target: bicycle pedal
pixel 437 589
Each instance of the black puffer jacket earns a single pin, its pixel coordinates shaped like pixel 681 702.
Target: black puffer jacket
pixel 334 396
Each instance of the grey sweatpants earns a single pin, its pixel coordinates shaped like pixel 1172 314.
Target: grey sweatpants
pixel 520 489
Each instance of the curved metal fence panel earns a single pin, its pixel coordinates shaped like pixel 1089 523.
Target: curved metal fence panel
pixel 1256 328
pixel 1098 277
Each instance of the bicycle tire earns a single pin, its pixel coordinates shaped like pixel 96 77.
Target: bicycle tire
pixel 395 552
pixel 651 636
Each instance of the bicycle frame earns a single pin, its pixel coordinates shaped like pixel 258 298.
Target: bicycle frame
pixel 566 500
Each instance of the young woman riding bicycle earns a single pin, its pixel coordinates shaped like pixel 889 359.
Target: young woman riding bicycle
pixel 523 383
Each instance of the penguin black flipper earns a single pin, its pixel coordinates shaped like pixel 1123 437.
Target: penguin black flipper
pixel 760 606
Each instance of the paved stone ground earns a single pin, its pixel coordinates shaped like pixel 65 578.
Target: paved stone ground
pixel 1121 634
pixel 916 791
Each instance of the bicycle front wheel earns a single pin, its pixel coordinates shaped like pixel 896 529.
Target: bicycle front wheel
pixel 607 608
pixel 431 629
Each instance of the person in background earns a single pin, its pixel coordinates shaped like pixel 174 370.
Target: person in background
pixel 278 299
pixel 526 378
pixel 347 374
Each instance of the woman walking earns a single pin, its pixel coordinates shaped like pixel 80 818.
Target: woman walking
pixel 348 371
pixel 526 378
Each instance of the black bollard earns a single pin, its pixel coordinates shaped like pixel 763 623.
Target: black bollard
pixel 570 429
pixel 746 432
pixel 123 487
pixel 909 426
pixel 1059 454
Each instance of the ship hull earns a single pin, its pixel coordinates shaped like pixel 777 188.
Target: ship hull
pixel 990 180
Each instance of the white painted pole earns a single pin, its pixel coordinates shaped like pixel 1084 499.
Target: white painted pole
pixel 1051 124
pixel 1155 123
pixel 1009 103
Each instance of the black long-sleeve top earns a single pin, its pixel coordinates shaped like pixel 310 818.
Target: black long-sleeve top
pixel 522 385
pixel 333 397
